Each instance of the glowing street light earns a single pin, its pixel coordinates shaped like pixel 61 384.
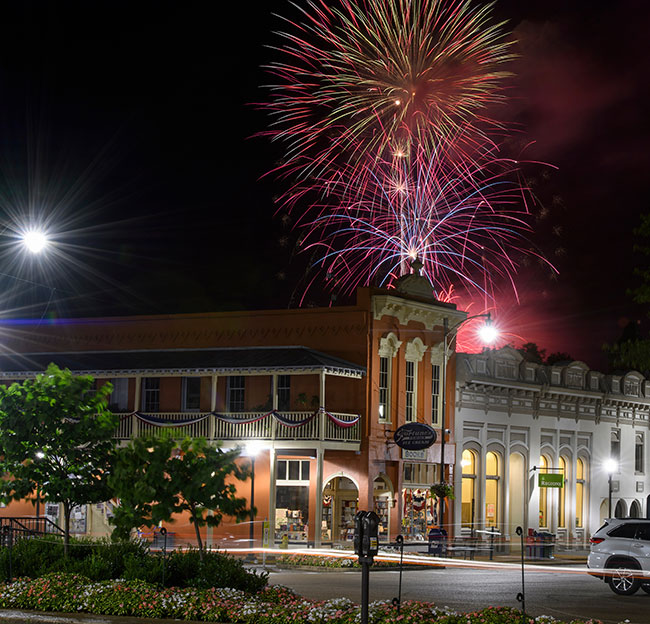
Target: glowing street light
pixel 35 241
pixel 488 334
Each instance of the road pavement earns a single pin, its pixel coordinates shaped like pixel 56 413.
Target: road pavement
pixel 565 592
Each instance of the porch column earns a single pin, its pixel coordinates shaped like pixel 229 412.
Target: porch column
pixel 321 415
pixel 213 407
pixel 272 496
pixel 319 498
pixel 135 423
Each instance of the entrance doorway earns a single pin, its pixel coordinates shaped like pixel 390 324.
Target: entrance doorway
pixel 340 504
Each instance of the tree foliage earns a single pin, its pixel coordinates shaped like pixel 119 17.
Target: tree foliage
pixel 532 353
pixel 56 437
pixel 632 350
pixel 156 477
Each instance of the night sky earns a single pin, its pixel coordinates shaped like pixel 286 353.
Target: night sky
pixel 128 128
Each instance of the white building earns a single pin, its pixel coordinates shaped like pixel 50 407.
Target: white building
pixel 515 419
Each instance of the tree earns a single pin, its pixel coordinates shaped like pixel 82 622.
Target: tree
pixel 558 356
pixel 56 436
pixel 632 350
pixel 155 478
pixel 532 352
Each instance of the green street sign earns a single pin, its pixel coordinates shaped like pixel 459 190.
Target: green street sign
pixel 550 480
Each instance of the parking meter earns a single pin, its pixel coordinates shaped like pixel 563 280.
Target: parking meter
pixel 366 535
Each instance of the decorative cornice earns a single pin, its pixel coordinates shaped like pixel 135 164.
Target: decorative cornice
pixel 430 315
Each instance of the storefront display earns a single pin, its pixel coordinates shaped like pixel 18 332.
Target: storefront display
pixel 292 513
pixel 419 513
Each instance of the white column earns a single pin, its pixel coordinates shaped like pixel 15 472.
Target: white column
pixel 321 415
pixel 213 407
pixel 319 498
pixel 135 424
pixel 272 495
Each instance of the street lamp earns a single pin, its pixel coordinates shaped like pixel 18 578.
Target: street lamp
pixel 39 455
pixel 488 333
pixel 34 240
pixel 252 450
pixel 611 465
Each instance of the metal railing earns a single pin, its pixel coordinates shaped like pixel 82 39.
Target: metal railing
pixel 16 527
pixel 267 428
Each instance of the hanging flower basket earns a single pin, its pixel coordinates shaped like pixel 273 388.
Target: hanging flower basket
pixel 443 490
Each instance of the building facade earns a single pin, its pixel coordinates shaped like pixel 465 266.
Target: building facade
pixel 320 391
pixel 517 420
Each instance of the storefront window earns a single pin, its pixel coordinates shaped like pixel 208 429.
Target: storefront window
pixel 561 509
pixel 492 510
pixel 468 501
pixel 419 510
pixel 292 500
pixel 580 492
pixel 543 496
pixel 382 498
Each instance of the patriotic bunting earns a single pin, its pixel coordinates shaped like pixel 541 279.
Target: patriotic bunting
pixel 155 421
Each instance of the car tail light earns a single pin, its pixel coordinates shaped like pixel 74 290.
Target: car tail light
pixel 596 540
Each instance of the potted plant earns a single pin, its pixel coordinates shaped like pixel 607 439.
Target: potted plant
pixel 442 490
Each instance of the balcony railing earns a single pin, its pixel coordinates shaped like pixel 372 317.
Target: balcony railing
pixel 251 425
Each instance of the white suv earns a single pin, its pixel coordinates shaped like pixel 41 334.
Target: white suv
pixel 620 554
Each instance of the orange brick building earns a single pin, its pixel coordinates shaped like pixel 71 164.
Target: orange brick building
pixel 320 390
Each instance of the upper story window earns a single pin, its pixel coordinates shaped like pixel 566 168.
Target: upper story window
pixel 638 452
pixel 506 369
pixel 530 373
pixel 119 398
pixel 415 350
pixel 631 387
pixel 191 393
pixel 435 394
pixel 284 393
pixel 384 388
pixel 574 379
pixel 151 394
pixel 236 393
pixel 594 383
pixel 389 346
pixel 615 445
pixel 410 391
pixel 481 367
pixel 555 377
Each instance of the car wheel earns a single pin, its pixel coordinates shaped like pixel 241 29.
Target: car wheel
pixel 623 583
pixel 646 587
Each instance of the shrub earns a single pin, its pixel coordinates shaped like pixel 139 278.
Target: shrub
pixel 101 560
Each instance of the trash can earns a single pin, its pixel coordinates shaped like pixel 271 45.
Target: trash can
pixel 437 542
pixel 546 544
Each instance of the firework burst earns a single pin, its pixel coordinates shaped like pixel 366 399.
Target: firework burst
pixel 460 220
pixel 376 79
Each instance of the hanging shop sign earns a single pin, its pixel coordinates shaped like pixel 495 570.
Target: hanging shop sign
pixel 415 436
pixel 550 480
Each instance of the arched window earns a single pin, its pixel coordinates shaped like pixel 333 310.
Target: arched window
pixel 619 512
pixel 635 510
pixel 561 508
pixel 580 492
pixel 468 500
pixel 492 468
pixel 543 496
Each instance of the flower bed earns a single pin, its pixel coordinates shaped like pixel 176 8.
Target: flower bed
pixel 277 605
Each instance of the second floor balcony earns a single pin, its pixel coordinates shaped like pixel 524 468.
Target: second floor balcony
pixel 320 425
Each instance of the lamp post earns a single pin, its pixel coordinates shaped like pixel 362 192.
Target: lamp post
pixel 488 334
pixel 252 449
pixel 39 455
pixel 611 465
